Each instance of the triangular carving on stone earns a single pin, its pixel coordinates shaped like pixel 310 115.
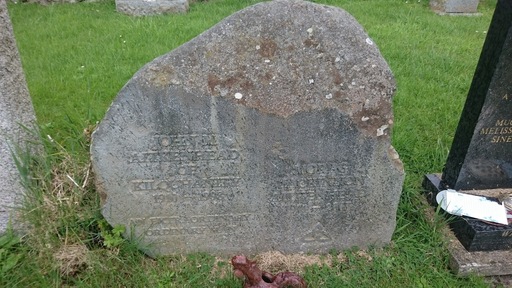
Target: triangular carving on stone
pixel 317 234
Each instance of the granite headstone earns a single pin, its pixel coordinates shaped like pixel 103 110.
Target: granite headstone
pixel 480 157
pixel 268 131
pixel 481 154
pixel 151 7
pixel 16 111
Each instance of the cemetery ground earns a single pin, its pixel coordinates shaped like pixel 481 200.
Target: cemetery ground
pixel 76 57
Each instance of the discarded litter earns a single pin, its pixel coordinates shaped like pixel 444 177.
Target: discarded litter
pixel 483 208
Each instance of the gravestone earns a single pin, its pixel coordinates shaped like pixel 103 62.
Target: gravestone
pixel 454 6
pixel 481 154
pixel 15 111
pixel 151 7
pixel 270 131
pixel 480 159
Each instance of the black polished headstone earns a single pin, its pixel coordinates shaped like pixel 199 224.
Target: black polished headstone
pixel 481 153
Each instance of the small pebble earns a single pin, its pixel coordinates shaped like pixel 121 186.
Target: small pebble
pixel 380 131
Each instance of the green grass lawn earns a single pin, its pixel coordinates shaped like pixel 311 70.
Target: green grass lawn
pixel 76 57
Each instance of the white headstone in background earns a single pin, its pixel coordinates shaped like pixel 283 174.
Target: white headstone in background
pixel 454 6
pixel 151 7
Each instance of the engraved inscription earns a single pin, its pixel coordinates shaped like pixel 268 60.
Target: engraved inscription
pixel 501 132
pixel 177 148
pixel 316 186
pixel 182 155
pixel 198 171
pixel 192 225
pixel 184 183
pixel 172 190
pixel 197 168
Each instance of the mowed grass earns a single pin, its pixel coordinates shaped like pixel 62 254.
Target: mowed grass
pixel 76 57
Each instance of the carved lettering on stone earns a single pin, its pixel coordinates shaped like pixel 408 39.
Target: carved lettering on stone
pixel 269 131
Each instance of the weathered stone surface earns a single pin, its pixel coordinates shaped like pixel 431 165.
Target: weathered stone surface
pixel 151 7
pixel 15 110
pixel 454 6
pixel 481 153
pixel 268 131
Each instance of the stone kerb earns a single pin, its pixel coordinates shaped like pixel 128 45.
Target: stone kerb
pixel 268 131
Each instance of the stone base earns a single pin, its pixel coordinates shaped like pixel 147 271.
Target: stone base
pixel 483 263
pixel 462 261
pixel 474 234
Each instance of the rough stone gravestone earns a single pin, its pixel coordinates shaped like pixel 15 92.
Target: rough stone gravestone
pixel 151 7
pixel 15 110
pixel 481 153
pixel 268 131
pixel 454 6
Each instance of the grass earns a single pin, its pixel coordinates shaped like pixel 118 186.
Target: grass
pixel 76 57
